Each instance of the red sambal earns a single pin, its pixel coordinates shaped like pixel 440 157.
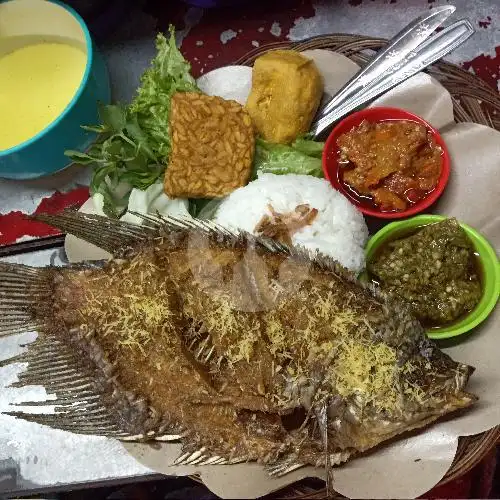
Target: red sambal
pixel 392 164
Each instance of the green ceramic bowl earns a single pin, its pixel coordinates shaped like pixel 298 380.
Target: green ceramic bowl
pixel 488 259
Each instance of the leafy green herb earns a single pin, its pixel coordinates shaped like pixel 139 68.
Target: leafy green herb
pixel 301 157
pixel 134 143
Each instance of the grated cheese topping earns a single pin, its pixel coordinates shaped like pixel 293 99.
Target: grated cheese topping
pixel 130 311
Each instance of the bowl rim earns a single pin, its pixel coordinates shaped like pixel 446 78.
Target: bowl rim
pixel 489 261
pixel 79 91
pixel 426 202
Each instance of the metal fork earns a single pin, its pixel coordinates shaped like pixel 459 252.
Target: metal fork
pixel 424 55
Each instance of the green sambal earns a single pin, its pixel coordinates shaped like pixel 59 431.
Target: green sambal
pixel 434 270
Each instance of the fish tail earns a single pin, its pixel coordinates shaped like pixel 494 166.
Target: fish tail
pixel 61 365
pixel 22 290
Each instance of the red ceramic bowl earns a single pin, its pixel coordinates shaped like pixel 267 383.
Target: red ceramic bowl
pixel 331 157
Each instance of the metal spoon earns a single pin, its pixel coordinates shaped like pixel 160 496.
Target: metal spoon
pixel 426 54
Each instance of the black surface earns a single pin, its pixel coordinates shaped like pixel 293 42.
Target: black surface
pixel 32 246
pixel 102 17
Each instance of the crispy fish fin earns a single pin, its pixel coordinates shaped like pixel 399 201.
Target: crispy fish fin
pixel 78 408
pixel 21 286
pixel 111 235
pixel 283 467
pixel 116 236
pixel 82 405
pixel 201 456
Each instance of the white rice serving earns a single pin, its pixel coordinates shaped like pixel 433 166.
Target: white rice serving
pixel 339 229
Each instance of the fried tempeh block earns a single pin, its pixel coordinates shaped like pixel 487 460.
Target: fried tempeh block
pixel 212 147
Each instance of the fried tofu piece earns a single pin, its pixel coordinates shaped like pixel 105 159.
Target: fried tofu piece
pixel 286 91
pixel 213 145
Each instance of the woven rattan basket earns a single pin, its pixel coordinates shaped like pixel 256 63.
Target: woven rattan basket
pixel 473 101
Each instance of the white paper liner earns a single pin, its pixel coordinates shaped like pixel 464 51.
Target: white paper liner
pixel 234 82
pixel 473 191
pixel 77 249
pixel 413 465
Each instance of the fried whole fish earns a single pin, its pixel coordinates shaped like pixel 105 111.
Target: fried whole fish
pixel 240 347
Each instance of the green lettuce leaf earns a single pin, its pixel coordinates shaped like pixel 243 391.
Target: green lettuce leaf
pixel 309 147
pixel 302 157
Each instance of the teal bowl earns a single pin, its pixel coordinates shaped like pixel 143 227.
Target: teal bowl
pixel 27 22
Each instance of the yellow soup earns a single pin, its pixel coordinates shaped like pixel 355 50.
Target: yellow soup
pixel 36 83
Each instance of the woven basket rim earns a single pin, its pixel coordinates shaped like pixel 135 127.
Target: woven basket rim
pixel 473 101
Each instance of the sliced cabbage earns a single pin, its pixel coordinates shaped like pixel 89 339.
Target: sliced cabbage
pixel 154 201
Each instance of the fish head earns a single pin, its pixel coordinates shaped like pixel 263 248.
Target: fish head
pixel 398 397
